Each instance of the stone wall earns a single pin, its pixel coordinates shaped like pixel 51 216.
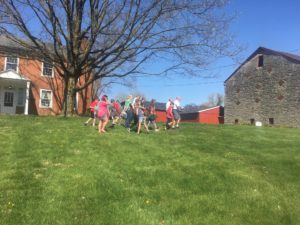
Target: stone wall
pixel 269 94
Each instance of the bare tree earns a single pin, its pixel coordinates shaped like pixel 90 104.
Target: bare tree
pixel 191 108
pixel 123 96
pixel 115 38
pixel 215 99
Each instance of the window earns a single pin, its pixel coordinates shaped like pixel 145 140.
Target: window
pixel 271 121
pixel 11 63
pixel 21 96
pixel 260 61
pixel 280 97
pixel 46 99
pixel 8 99
pixel 47 69
pixel 281 82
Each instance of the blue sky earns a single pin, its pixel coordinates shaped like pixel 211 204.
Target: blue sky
pixel 272 24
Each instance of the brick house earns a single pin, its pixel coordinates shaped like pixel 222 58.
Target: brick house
pixel 31 85
pixel 265 88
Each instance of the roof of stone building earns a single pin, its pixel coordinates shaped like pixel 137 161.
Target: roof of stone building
pixel 265 51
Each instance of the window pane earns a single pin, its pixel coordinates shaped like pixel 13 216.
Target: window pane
pixel 11 63
pixel 47 72
pixel 11 66
pixel 48 64
pixel 46 98
pixel 11 59
pixel 45 102
pixel 21 96
pixel 260 61
pixel 8 99
pixel 47 69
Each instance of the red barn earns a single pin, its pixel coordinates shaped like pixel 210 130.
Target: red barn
pixel 161 115
pixel 160 109
pixel 213 115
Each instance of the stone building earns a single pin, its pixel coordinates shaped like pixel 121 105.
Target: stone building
pixel 266 89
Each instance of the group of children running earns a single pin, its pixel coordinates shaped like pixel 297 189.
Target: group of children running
pixel 134 112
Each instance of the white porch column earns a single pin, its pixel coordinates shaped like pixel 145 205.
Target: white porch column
pixel 27 98
pixel 76 107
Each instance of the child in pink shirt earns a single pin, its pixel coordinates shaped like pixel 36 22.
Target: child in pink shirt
pixel 103 113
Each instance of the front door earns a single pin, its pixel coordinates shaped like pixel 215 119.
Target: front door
pixel 8 106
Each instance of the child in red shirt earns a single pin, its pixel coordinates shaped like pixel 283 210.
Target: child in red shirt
pixel 170 117
pixel 93 112
pixel 115 112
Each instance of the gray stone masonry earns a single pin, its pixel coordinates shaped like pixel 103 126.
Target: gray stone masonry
pixel 270 92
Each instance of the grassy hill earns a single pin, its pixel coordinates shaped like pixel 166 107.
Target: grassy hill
pixel 57 171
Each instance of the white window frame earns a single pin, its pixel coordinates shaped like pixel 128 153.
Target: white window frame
pixel 42 72
pixel 5 63
pixel 51 101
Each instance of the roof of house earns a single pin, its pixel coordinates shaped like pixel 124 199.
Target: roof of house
pixel 265 51
pixel 7 44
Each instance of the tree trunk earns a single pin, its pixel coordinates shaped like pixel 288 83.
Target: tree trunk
pixel 69 97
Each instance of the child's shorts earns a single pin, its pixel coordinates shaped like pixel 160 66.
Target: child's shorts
pixel 103 118
pixel 141 119
pixel 176 114
pixel 93 115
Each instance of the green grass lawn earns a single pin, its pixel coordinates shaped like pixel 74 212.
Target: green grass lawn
pixel 57 171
